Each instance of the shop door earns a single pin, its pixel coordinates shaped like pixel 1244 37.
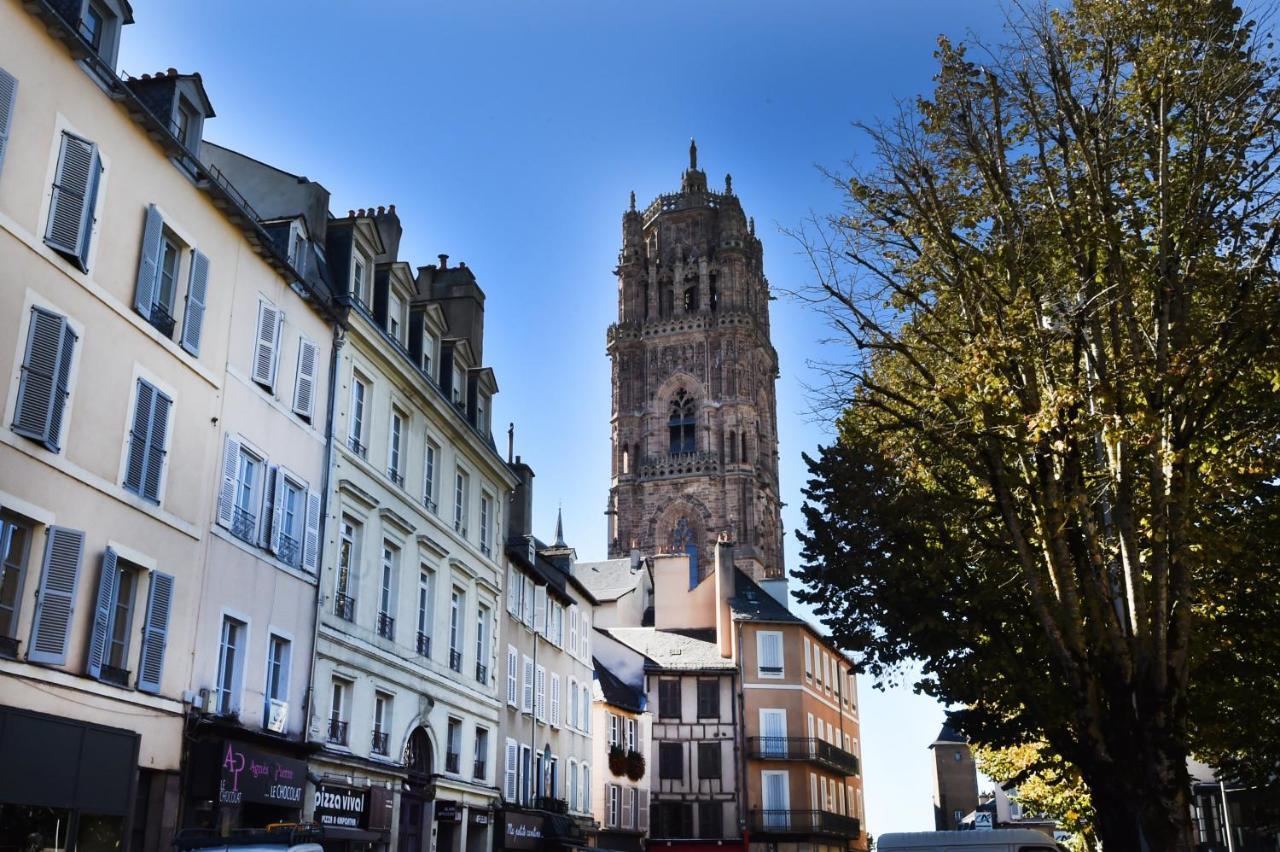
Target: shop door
pixel 414 829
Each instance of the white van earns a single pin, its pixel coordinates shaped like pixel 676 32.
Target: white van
pixel 1000 840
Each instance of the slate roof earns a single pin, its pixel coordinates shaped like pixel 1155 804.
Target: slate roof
pixel 607 580
pixel 752 603
pixel 677 650
pixel 615 691
pixel 949 734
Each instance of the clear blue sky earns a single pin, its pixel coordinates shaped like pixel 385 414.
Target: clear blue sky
pixel 508 135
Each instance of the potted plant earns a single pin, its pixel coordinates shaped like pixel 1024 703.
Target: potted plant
pixel 635 765
pixel 617 760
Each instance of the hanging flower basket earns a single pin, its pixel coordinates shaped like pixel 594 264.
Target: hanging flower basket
pixel 635 765
pixel 617 761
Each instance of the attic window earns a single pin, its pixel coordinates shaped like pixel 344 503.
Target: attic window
pixel 185 121
pixel 95 21
pixel 99 26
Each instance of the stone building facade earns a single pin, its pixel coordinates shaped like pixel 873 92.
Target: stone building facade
pixel 694 420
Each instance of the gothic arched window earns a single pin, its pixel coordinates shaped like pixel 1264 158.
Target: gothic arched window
pixel 680 423
pixel 691 299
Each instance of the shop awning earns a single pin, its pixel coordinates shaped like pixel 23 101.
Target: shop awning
pixel 338 832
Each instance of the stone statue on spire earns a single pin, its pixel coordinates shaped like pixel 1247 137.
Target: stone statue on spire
pixel 633 201
pixel 693 155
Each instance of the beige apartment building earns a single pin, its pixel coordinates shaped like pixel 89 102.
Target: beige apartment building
pixel 621 800
pixel 123 263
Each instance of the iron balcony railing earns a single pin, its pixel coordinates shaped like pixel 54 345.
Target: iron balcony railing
pixel 288 549
pixel 338 731
pixel 161 320
pixel 803 748
pixel 386 626
pixel 482 673
pixel 550 803
pixel 344 606
pixel 380 740
pixel 114 674
pixel 9 647
pixel 486 549
pixel 478 770
pixel 424 644
pixel 244 524
pixel 358 448
pixel 804 822
pixel 455 660
pixel 451 762
pixel 395 476
pixel 430 505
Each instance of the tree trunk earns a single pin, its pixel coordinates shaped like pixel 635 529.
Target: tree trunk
pixel 1142 801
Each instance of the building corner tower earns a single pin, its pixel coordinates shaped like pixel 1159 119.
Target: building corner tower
pixel 694 413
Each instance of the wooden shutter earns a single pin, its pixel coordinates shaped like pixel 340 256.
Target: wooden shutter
pixel 628 813
pixel 102 613
pixel 153 469
pixel 513 593
pixel 277 510
pixel 155 632
pixel 304 386
pixel 46 376
pixel 144 398
pixel 540 694
pixel 73 184
pixel 540 609
pixel 642 810
pixel 8 97
pixel 555 700
pixel 230 469
pixel 197 293
pixel 266 340
pixel 311 535
pixel 144 290
pixel 526 703
pixel 55 601
pixel 509 772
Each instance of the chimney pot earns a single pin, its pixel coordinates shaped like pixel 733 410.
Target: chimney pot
pixel 444 261
pixel 391 208
pixel 381 210
pixel 173 72
pixel 351 214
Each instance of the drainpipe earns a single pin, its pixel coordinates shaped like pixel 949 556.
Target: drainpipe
pixel 739 746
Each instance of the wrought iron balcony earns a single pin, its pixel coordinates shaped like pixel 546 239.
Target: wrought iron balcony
pixel 344 606
pixel 455 660
pixel 451 762
pixel 358 448
pixel 430 504
pixel 244 525
pixel 161 320
pixel 482 673
pixel 9 647
pixel 486 549
pixel 478 770
pixel 288 550
pixel 803 748
pixel 386 626
pixel 114 674
pixel 338 731
pixel 380 739
pixel 800 823
pixel 424 644
pixel 395 476
pixel 550 803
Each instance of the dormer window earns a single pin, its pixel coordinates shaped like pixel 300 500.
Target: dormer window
pixel 459 386
pixel 99 26
pixel 482 413
pixel 297 246
pixel 394 311
pixel 185 123
pixel 358 282
pixel 92 26
pixel 428 354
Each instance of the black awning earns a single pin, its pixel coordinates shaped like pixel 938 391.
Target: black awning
pixel 341 832
pixel 563 828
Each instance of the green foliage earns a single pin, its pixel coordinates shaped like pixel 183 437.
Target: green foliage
pixel 1059 417
pixel 1045 787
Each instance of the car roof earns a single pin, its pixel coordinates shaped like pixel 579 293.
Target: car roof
pixel 908 839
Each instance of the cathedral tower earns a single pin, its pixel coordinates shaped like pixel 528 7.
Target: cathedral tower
pixel 695 446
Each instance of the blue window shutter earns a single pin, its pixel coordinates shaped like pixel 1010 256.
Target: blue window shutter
pixel 155 632
pixel 311 537
pixel 68 208
pixel 197 291
pixel 144 291
pixel 227 490
pixel 102 613
pixel 61 388
pixel 90 207
pixel 55 601
pixel 8 97
pixel 153 467
pixel 134 467
pixel 36 387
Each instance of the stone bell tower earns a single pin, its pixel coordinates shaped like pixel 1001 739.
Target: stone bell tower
pixel 694 417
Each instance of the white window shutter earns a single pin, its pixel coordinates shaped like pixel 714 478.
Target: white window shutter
pixel 8 97
pixel 642 810
pixel 266 339
pixel 526 700
pixel 304 387
pixel 540 609
pixel 540 694
pixel 144 289
pixel 277 510
pixel 513 665
pixel 55 601
pixel 311 536
pixel 555 700
pixel 74 184
pixel 230 470
pixel 509 773
pixel 513 591
pixel 197 293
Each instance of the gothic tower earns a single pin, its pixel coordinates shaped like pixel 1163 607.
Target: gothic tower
pixel 695 446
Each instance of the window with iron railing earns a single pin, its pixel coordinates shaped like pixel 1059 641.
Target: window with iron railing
pixel 451 762
pixel 244 525
pixel 386 626
pixel 380 742
pixel 344 606
pixel 455 660
pixel 424 644
pixel 358 448
pixel 482 673
pixel 338 731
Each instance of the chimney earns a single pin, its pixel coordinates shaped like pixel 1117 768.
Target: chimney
pixel 444 261
pixel 520 518
pixel 726 588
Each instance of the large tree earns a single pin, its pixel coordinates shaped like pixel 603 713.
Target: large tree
pixel 1059 277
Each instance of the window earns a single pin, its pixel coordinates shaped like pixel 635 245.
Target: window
pixel 461 486
pixel 573 628
pixel 482 644
pixel 571 793
pixel 669 698
pixel 710 819
pixel 773 732
pixel 585 716
pixel 709 760
pixel 708 698
pixel 480 770
pixel 394 470
pixel 681 423
pixel 457 603
pixel 339 711
pixel 430 460
pixel 230 666
pixel 673 819
pixel 426 596
pixel 527 596
pixel 486 515
pixel 266 347
pixel 670 761
pixel 387 591
pixel 15 543
pixel 429 354
pixel 513 663
pixel 526 774
pixel 288 517
pixel 510 772
pixel 355 435
pixel 45 379
pixel 586 788
pixel 612 720
pixel 482 413
pixel 276 692
pixel 92 25
pixel 395 321
pixel 358 281
pixel 243 480
pixel 526 693
pixel 379 743
pixel 8 97
pixel 632 742
pixel 344 602
pixel 572 694
pixel 540 694
pixel 776 798
pixel 297 245
pixel 808 663
pixel 613 794
pixel 112 622
pixel 453 746
pixel 144 468
pixel 769 653
pixel 631 808
pixel 557 624
pixel 75 197
pixel 459 386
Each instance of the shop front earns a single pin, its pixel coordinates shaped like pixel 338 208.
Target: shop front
pixel 232 783
pixel 354 819
pixel 64 785
pixel 529 830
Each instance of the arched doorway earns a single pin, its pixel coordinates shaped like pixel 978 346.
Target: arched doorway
pixel 415 828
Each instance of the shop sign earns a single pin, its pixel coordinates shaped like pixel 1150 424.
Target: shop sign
pixel 522 831
pixel 447 811
pixel 247 774
pixel 381 806
pixel 341 806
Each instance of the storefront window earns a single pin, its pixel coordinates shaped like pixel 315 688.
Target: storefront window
pixel 100 833
pixel 33 829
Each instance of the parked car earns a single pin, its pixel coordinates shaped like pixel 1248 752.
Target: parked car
pixel 280 837
pixel 999 840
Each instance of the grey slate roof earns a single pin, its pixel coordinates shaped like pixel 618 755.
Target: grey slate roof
pixel 949 734
pixel 752 603
pixel 687 650
pixel 607 580
pixel 615 691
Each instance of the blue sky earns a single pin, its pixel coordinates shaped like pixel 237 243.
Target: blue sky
pixel 509 134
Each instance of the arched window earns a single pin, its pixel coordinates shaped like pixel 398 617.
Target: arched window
pixel 744 447
pixel 680 424
pixel 626 459
pixel 417 758
pixel 733 447
pixel 691 299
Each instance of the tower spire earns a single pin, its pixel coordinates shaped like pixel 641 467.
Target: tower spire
pixel 693 155
pixel 560 526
